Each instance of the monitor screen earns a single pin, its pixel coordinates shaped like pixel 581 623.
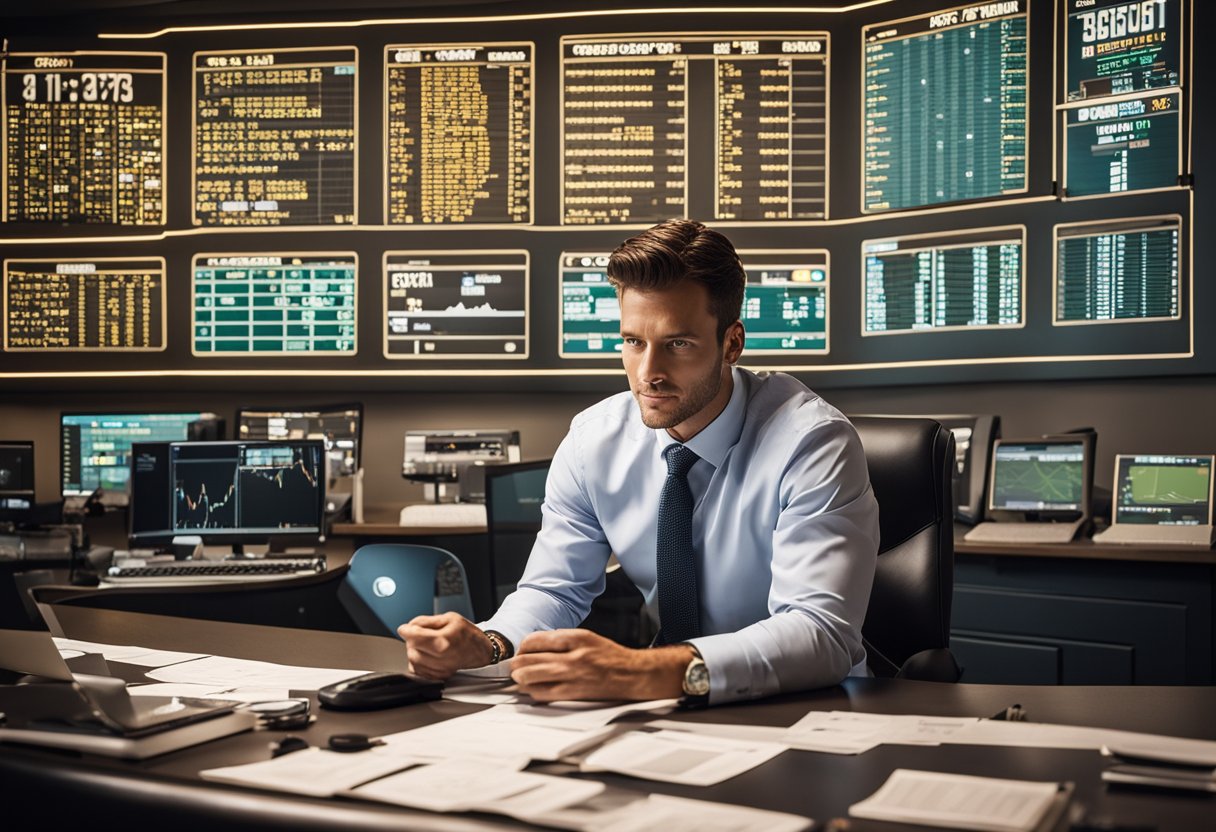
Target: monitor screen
pixel 16 480
pixel 338 426
pixel 1038 475
pixel 1163 490
pixel 973 438
pixel 241 492
pixel 95 447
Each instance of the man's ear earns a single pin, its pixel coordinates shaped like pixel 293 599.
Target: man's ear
pixel 732 342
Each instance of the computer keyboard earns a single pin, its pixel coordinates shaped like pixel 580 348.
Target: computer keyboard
pixel 1155 535
pixel 212 571
pixel 1022 533
pixel 444 514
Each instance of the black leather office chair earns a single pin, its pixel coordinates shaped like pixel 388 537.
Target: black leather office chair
pixel 907 626
pixel 514 495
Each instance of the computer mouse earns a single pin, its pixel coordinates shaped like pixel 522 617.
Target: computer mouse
pixel 373 691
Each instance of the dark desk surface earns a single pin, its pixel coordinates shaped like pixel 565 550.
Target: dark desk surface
pixel 821 786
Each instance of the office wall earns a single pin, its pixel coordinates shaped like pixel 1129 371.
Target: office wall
pixel 1166 415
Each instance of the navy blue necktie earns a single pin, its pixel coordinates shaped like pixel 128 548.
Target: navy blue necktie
pixel 676 564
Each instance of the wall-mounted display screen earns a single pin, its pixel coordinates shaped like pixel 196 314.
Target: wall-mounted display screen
pixel 944 112
pixel 274 137
pixel 627 104
pixel 1118 271
pixel 84 138
pixel 274 304
pixel 1117 47
pixel 471 304
pixel 1130 145
pixel 106 305
pixel 971 280
pixel 458 121
pixel 785 304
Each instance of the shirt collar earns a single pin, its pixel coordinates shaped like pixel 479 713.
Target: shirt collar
pixel 720 435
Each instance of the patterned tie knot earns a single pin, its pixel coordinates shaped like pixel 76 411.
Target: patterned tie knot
pixel 679 460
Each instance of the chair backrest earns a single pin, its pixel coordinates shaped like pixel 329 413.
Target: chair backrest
pixel 387 584
pixel 514 494
pixel 910 462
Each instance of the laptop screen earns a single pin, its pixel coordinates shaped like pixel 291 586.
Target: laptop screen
pixel 1046 475
pixel 1163 490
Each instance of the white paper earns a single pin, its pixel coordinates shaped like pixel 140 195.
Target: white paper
pixel 502 670
pixel 850 732
pixel 469 737
pixel 243 673
pixel 1175 750
pixel 461 786
pixel 759 733
pixel 572 715
pixel 190 691
pixel 680 757
pixel 128 654
pixel 313 771
pixel 959 801
pixel 660 813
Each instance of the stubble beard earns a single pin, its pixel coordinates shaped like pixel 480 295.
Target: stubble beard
pixel 700 394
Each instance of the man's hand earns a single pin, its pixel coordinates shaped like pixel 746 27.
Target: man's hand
pixel 439 645
pixel 578 664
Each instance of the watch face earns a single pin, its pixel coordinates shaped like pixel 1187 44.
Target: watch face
pixel 696 678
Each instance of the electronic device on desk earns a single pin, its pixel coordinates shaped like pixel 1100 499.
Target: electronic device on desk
pixel 16 482
pixel 338 426
pixel 95 449
pixel 230 494
pixel 1161 499
pixel 442 458
pixel 130 569
pixel 1039 490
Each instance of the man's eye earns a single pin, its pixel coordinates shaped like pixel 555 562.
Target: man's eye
pixel 631 342
pixel 680 343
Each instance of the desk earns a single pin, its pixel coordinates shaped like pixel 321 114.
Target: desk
pixel 167 789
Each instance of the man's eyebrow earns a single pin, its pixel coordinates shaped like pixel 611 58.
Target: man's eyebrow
pixel 688 336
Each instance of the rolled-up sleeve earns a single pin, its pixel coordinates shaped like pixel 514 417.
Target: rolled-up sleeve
pixel 825 548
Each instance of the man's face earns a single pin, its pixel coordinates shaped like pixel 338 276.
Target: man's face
pixel 677 369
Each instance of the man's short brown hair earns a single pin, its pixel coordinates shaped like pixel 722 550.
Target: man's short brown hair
pixel 676 250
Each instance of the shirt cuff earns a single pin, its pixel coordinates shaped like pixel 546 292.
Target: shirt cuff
pixel 730 676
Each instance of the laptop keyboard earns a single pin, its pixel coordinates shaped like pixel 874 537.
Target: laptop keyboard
pixel 1022 533
pixel 215 571
pixel 1152 535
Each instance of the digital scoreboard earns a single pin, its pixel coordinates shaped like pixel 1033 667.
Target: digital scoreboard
pixel 968 280
pixel 458 121
pixel 101 305
pixel 1132 144
pixel 84 138
pixel 1118 271
pixel 274 137
pixel 455 305
pixel 627 103
pixel 785 304
pixel 944 116
pixel 274 304
pixel 1116 47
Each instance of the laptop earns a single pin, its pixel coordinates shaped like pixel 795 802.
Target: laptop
pixel 1039 490
pixel 92 711
pixel 1161 499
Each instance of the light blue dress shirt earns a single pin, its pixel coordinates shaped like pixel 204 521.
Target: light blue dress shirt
pixel 785 530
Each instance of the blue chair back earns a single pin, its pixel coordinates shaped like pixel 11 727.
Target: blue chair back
pixel 387 584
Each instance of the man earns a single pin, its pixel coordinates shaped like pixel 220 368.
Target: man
pixel 740 506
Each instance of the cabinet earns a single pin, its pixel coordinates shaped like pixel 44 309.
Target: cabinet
pixel 1083 615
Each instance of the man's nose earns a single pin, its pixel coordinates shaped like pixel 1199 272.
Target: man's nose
pixel 651 369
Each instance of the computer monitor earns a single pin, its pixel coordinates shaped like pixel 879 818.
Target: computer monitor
pixel 1163 490
pixel 338 426
pixel 227 492
pixel 95 447
pixel 973 438
pixel 16 481
pixel 1047 477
